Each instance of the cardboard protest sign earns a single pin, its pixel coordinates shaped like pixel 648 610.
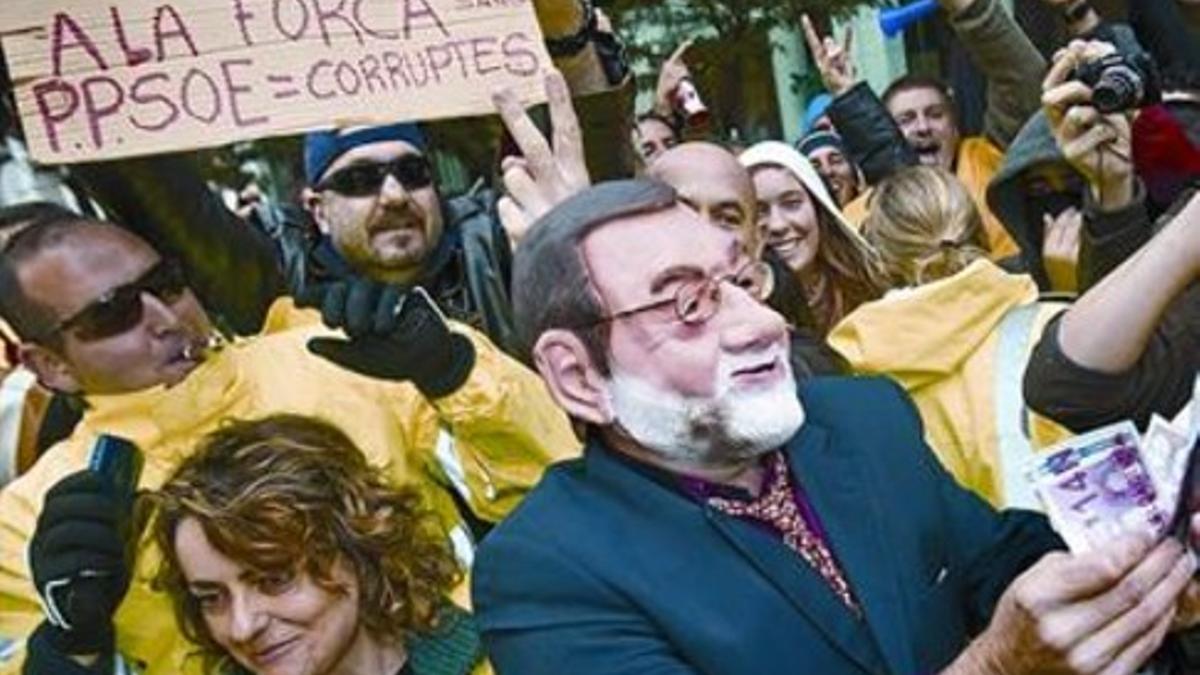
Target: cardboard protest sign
pixel 97 80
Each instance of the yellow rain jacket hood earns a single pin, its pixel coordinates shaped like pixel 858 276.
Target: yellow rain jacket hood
pixel 489 441
pixel 959 346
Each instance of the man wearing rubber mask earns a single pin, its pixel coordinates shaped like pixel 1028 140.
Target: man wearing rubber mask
pixel 717 498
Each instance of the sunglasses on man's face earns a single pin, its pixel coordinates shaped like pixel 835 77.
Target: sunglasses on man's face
pixel 121 309
pixel 361 180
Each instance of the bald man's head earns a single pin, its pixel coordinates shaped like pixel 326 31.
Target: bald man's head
pixel 710 179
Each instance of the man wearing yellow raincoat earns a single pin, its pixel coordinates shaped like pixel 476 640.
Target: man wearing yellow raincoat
pixel 102 315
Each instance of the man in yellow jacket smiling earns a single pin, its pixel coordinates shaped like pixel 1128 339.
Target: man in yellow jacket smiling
pixel 102 315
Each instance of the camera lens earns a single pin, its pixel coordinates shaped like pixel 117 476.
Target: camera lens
pixel 1119 88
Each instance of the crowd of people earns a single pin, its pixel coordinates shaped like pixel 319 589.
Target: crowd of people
pixel 657 402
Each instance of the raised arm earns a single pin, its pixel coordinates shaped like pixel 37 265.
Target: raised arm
pixel 588 54
pixel 1130 346
pixel 569 27
pixel 1099 147
pixel 1096 145
pixel 548 170
pixel 871 136
pixel 1008 60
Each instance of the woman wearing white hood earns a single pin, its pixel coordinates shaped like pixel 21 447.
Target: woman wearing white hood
pixel 799 221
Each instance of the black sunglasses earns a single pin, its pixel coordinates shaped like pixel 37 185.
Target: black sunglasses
pixel 121 308
pixel 360 180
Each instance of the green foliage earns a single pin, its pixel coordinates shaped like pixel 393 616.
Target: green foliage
pixel 731 23
pixel 730 59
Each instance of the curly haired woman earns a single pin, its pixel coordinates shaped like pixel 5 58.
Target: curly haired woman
pixel 285 552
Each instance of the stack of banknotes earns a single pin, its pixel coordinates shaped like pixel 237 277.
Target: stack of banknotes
pixel 1114 480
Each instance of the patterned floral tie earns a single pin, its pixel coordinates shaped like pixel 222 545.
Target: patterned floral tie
pixel 777 508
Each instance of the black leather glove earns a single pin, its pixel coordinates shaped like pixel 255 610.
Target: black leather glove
pixel 394 334
pixel 80 563
pixel 43 658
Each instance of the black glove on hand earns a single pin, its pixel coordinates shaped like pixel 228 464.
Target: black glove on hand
pixel 43 658
pixel 79 565
pixel 394 335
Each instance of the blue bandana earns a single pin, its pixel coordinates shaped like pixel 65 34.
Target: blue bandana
pixel 322 148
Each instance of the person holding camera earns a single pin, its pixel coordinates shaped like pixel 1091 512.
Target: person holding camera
pixel 1084 377
pixel 1071 164
pixel 1088 93
pixel 1088 154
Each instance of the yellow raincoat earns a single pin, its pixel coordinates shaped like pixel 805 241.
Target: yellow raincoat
pixel 23 406
pixel 959 347
pixel 489 441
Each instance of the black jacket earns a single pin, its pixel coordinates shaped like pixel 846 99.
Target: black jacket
pixel 1162 379
pixel 467 274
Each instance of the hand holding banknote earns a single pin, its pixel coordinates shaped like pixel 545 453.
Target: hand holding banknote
pixel 1107 487
pixel 1103 611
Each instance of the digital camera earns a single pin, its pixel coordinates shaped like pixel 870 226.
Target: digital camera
pixel 1121 81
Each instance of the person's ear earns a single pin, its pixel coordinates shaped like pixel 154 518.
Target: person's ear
pixel 314 203
pixel 52 370
pixel 573 379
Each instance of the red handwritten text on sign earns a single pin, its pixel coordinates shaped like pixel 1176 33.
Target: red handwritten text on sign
pixel 97 81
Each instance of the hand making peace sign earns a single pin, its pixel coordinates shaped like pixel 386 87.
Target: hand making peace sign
pixel 833 60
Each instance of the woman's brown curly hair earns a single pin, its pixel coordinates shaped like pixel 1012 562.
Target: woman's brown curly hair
pixel 289 493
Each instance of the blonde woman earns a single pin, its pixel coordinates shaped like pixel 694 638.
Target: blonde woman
pixel 956 333
pixel 799 222
pixel 924 227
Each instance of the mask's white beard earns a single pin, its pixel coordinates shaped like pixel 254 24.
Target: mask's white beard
pixel 730 426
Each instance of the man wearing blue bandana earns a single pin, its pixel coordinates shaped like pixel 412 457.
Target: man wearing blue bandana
pixel 371 193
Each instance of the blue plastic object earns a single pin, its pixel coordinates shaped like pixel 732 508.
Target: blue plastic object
pixel 893 21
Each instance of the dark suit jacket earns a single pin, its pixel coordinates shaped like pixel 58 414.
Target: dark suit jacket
pixel 604 569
